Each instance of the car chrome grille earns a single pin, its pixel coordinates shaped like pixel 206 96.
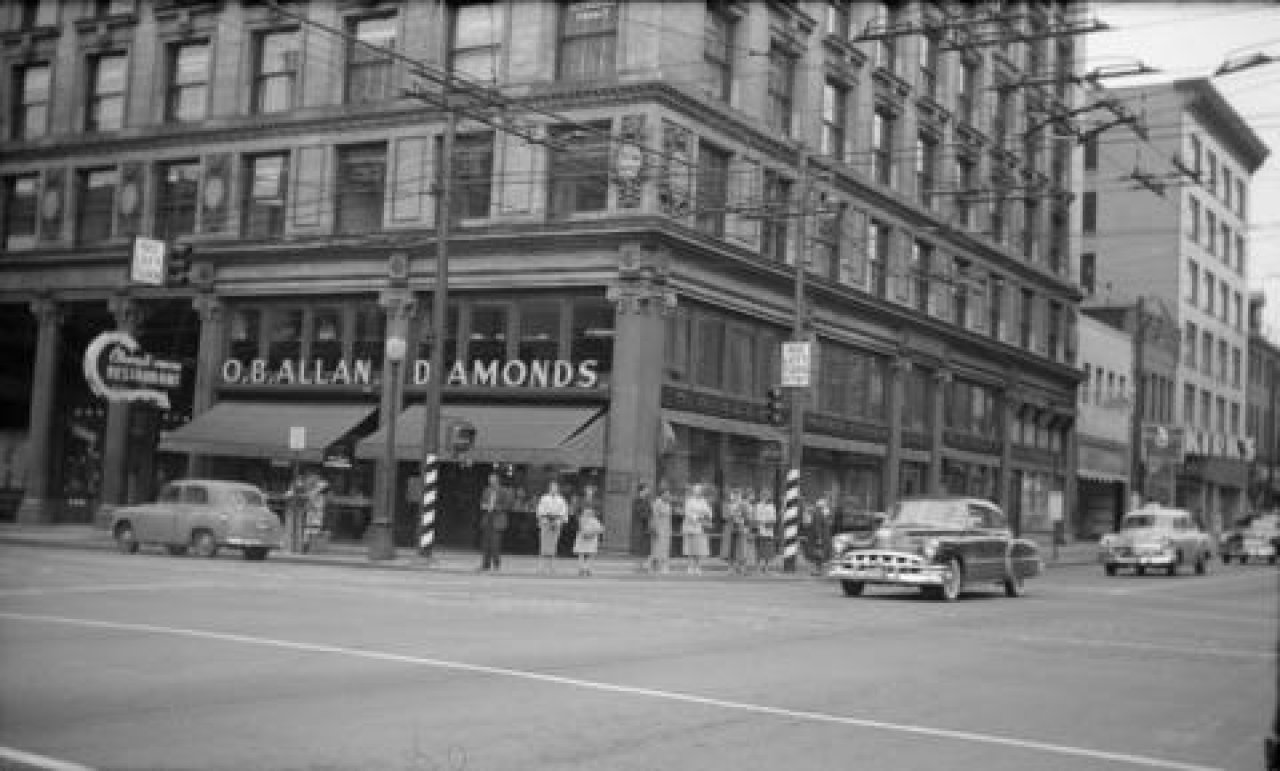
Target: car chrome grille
pixel 880 559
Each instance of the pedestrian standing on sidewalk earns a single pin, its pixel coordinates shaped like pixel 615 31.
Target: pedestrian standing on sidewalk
pixel 728 541
pixel 495 501
pixel 744 531
pixel 552 513
pixel 697 516
pixel 660 533
pixel 313 526
pixel 641 513
pixel 765 518
pixel 590 532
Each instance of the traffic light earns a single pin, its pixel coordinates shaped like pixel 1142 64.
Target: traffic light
pixel 177 269
pixel 777 406
pixel 462 437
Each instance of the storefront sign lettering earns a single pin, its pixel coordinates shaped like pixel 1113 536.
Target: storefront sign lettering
pixel 117 369
pixel 514 373
pixel 1220 446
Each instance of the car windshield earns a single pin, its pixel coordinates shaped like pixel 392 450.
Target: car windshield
pixel 1140 520
pixel 941 514
pixel 241 498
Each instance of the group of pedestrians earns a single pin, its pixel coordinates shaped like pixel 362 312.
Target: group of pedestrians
pixel 747 536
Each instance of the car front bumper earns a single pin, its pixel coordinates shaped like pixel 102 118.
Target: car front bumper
pixel 1261 550
pixel 1138 558
pixel 241 542
pixel 888 567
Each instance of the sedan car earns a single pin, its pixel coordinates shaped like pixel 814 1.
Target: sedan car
pixel 201 516
pixel 940 545
pixel 1258 539
pixel 1156 537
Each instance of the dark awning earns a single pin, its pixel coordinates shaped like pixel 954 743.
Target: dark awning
pixel 522 434
pixel 262 429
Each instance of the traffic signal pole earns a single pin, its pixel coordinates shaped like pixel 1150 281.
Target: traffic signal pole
pixel 795 447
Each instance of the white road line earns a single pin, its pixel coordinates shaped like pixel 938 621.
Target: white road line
pixel 40 761
pixel 39 591
pixel 760 709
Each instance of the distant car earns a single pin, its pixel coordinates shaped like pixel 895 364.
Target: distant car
pixel 201 516
pixel 1156 537
pixel 940 545
pixel 1258 539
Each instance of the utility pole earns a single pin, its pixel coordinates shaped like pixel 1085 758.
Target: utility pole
pixel 439 320
pixel 1138 475
pixel 799 394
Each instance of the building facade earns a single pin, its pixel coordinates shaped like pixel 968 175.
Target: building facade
pixel 1106 409
pixel 1174 182
pixel 633 186
pixel 1264 410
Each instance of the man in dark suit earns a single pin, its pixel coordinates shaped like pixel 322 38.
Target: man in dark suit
pixel 495 502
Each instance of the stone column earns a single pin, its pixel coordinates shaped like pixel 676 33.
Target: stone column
pixel 941 381
pixel 892 473
pixel 1009 419
pixel 36 507
pixel 388 497
pixel 115 446
pixel 208 362
pixel 635 390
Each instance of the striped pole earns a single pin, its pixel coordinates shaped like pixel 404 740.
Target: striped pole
pixel 791 520
pixel 430 475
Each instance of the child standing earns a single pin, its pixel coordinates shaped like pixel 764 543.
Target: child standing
pixel 590 529
pixel 765 516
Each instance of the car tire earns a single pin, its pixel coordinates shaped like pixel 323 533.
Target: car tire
pixel 1110 569
pixel 126 539
pixel 1226 559
pixel 1244 559
pixel 175 550
pixel 255 553
pixel 1172 570
pixel 1202 564
pixel 1272 559
pixel 203 544
pixel 949 591
pixel 852 588
pixel 1014 584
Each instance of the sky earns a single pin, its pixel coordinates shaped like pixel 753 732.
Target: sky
pixel 1191 40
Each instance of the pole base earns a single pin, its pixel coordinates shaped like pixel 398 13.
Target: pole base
pixel 379 542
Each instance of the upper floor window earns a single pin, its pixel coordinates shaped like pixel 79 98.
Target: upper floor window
pixel 103 9
pixel 929 66
pixel 1240 198
pixel 1213 173
pixel 1193 282
pixel 836 22
pixel 476 40
pixel 1193 218
pixel 579 169
pixel 886 50
pixel 782 84
pixel 1189 343
pixel 369 68
pixel 95 205
pixel 1196 153
pixel 105 108
pixel 882 140
pixel 1209 285
pixel 967 93
pixel 588 39
pixel 824 250
pixel 922 273
pixel 1026 319
pixel 473 175
pixel 1226 186
pixel 966 176
pixel 38 13
pixel 275 72
pixel 926 168
pixel 31 107
pixel 265 195
pixel 717 49
pixel 777 200
pixel 713 188
pixel 361 187
pixel 1091 152
pixel 177 187
pixel 1089 212
pixel 1225 229
pixel 995 307
pixel 1211 231
pixel 1240 253
pixel 878 257
pixel 835 116
pixel 1089 272
pixel 1002 121
pixel 188 86
pixel 20 194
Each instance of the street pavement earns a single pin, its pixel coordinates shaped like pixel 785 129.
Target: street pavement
pixel 155 662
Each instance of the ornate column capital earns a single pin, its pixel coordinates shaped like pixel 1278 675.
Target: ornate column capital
pixel 211 309
pixel 48 311
pixel 901 364
pixel 127 311
pixel 943 376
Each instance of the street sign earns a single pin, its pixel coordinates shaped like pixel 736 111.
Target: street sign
pixel 147 262
pixel 797 362
pixel 297 438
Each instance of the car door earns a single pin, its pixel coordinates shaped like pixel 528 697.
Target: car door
pixel 154 522
pixel 986 542
pixel 195 513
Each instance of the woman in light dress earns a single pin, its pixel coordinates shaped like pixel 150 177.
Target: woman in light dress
pixel 765 518
pixel 552 513
pixel 697 516
pixel 660 533
pixel 590 531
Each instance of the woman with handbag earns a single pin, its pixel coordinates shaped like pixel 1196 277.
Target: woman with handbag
pixel 590 532
pixel 552 513
pixel 697 515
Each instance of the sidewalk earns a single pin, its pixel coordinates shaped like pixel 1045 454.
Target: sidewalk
pixel 75 536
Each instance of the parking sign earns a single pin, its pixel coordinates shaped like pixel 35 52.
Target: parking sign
pixel 146 265
pixel 797 360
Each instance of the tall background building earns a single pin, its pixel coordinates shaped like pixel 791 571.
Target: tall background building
pixel 1165 212
pixel 634 185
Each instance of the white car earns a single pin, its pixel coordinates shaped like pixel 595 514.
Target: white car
pixel 201 516
pixel 1156 537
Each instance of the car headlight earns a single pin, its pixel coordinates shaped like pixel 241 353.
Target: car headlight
pixel 883 537
pixel 930 548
